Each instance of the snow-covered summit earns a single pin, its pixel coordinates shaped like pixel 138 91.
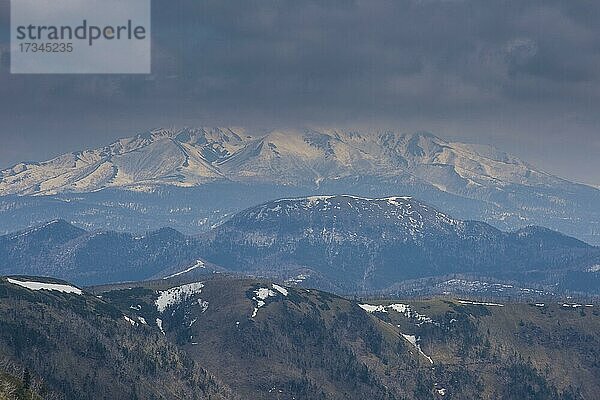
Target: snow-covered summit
pixel 192 157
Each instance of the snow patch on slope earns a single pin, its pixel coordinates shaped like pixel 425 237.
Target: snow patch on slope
pixel 412 339
pixel 403 309
pixel 34 229
pixel 371 308
pixel 280 289
pixel 479 303
pixel 198 264
pixel 159 323
pixel 408 312
pixel 262 294
pixel 176 295
pixel 594 268
pixel 32 285
pixel 297 279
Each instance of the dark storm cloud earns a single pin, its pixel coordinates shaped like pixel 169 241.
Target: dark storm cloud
pixel 515 73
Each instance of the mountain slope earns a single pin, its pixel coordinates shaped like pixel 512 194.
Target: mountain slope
pixel 345 244
pixel 275 347
pixel 348 243
pixel 76 346
pixel 93 257
pixel 158 157
pixel 471 181
pixel 191 157
pixel 272 341
pixel 149 339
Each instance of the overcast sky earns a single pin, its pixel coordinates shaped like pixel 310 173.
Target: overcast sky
pixel 521 75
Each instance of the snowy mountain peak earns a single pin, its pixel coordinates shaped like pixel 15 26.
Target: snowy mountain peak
pixel 195 156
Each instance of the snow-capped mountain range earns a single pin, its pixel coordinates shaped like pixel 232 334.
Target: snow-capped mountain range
pixel 192 157
pixel 204 174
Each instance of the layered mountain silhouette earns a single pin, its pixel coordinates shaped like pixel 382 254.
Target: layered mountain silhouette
pixel 347 244
pixel 190 179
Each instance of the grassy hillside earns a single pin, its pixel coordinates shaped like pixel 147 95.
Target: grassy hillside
pixel 295 346
pixel 508 350
pixel 311 344
pixel 194 340
pixel 79 346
